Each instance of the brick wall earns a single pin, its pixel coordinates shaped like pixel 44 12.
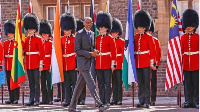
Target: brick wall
pixel 118 8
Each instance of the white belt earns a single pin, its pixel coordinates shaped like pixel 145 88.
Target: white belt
pixel 47 56
pixel 68 55
pixel 191 53
pixel 106 53
pixel 119 54
pixel 30 53
pixel 141 52
pixel 8 56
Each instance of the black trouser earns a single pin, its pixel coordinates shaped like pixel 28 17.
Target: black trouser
pixel 47 93
pixel 143 76
pixel 191 86
pixel 117 85
pixel 70 78
pixel 13 94
pixel 104 84
pixel 34 85
pixel 153 85
pixel 59 91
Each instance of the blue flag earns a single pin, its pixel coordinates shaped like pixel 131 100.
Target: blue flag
pixel 129 70
pixel 2 77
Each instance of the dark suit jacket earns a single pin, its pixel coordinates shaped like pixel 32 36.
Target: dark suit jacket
pixel 83 47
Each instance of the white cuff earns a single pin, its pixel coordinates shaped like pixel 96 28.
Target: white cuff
pixel 41 64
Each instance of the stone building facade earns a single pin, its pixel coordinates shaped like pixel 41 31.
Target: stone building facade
pixel 159 10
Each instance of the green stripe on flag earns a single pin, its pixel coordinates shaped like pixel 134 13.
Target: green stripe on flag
pixel 125 74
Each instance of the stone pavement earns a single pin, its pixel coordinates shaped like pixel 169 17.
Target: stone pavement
pixel 163 104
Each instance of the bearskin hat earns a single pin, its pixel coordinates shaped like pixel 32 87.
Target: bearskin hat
pixel 142 19
pixel 190 18
pixel 104 19
pixel 152 28
pixel 31 21
pixel 80 25
pixel 68 22
pixel 117 26
pixel 45 27
pixel 9 27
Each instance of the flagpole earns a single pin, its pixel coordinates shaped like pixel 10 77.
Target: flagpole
pixel 133 94
pixel 179 94
pixel 23 93
pixel 2 93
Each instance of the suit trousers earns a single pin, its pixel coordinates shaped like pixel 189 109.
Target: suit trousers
pixel 153 85
pixel 47 92
pixel 104 84
pixel 70 78
pixel 34 85
pixel 13 94
pixel 143 76
pixel 84 77
pixel 117 85
pixel 191 86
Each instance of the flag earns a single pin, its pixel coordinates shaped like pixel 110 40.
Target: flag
pixel 94 17
pixel 129 70
pixel 56 59
pixel 2 76
pixel 68 7
pixel 108 6
pixel 30 7
pixel 17 71
pixel 139 6
pixel 180 25
pixel 174 73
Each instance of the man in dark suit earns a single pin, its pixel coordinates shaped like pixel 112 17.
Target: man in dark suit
pixel 84 47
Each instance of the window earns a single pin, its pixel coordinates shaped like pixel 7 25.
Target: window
pixel 75 10
pixel 50 14
pixel 87 10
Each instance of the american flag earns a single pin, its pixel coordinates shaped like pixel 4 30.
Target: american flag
pixel 174 73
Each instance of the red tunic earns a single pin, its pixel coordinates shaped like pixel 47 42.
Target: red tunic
pixel 47 50
pixel 8 54
pixel 106 46
pixel 158 51
pixel 34 52
pixel 69 55
pixel 190 51
pixel 120 52
pixel 1 54
pixel 144 50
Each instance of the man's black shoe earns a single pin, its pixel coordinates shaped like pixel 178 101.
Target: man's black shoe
pixel 50 102
pixel 9 102
pixel 146 106
pixel 139 105
pixel 119 103
pixel 57 100
pixel 152 103
pixel 36 104
pixel 81 102
pixel 113 103
pixel 29 103
pixel 44 102
pixel 103 107
pixel 15 102
pixel 65 104
pixel 186 105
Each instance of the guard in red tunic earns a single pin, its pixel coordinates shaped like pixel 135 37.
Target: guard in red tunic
pixel 34 53
pixel 68 26
pixel 156 64
pixel 47 93
pixel 190 55
pixel 1 56
pixel 105 44
pixel 9 28
pixel 116 31
pixel 144 56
